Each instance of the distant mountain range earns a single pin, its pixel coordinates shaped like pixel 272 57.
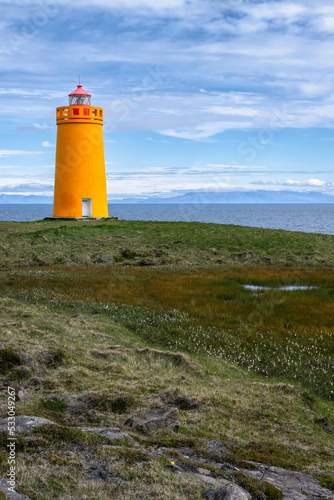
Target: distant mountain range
pixel 261 196
pixel 204 197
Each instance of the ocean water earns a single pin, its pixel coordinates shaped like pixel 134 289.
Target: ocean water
pixel 313 218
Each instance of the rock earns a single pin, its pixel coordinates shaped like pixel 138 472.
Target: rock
pixel 23 394
pixel 190 470
pixel 167 417
pixel 101 473
pixel 23 423
pixel 112 433
pixel 175 468
pixel 216 482
pixel 216 450
pixel 294 485
pixel 75 404
pixel 170 453
pixel 204 472
pixel 4 485
pixel 324 423
pixel 208 494
pixel 228 466
pixel 231 491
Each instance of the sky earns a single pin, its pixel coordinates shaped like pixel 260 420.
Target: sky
pixel 197 95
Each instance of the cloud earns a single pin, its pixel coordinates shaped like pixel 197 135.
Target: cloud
pixel 12 152
pixel 35 127
pixel 180 81
pixel 222 165
pixel 204 130
pixel 20 92
pixel 208 50
pixel 56 6
pixel 31 188
pixel 290 182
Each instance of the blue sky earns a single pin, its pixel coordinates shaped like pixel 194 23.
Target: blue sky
pixel 230 95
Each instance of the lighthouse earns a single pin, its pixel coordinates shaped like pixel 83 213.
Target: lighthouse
pixel 80 177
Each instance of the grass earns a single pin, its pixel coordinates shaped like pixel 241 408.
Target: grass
pixel 109 336
pixel 157 243
pixel 275 332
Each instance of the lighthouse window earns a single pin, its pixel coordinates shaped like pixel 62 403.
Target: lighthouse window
pixel 86 111
pixel 100 112
pixel 75 111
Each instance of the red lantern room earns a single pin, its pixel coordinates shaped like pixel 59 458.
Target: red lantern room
pixel 79 96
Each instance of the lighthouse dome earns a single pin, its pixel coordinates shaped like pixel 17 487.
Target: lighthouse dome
pixel 79 96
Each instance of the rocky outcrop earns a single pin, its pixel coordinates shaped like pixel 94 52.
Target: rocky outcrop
pixel 294 485
pixel 167 417
pixel 112 433
pixel 231 492
pixel 24 423
pixel 11 495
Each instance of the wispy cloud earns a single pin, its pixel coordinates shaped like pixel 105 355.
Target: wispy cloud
pixel 12 152
pixel 236 167
pixel 27 188
pixel 184 85
pixel 294 183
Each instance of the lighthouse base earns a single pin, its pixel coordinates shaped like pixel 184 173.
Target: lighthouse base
pixel 81 218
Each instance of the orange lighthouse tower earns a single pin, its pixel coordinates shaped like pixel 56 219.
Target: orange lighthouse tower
pixel 80 178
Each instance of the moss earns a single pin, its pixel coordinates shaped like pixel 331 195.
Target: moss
pixel 270 453
pixel 271 492
pixel 260 490
pixel 253 486
pixel 20 488
pixel 58 433
pixel 20 373
pixel 8 359
pixel 128 254
pixel 20 444
pixel 57 405
pixel 327 482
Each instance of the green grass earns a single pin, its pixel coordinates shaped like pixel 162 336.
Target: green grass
pixel 157 243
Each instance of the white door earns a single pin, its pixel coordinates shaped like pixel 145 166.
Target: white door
pixel 86 207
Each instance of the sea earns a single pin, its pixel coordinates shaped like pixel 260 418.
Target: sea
pixel 308 218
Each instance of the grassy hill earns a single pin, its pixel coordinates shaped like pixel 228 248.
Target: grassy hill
pixel 104 320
